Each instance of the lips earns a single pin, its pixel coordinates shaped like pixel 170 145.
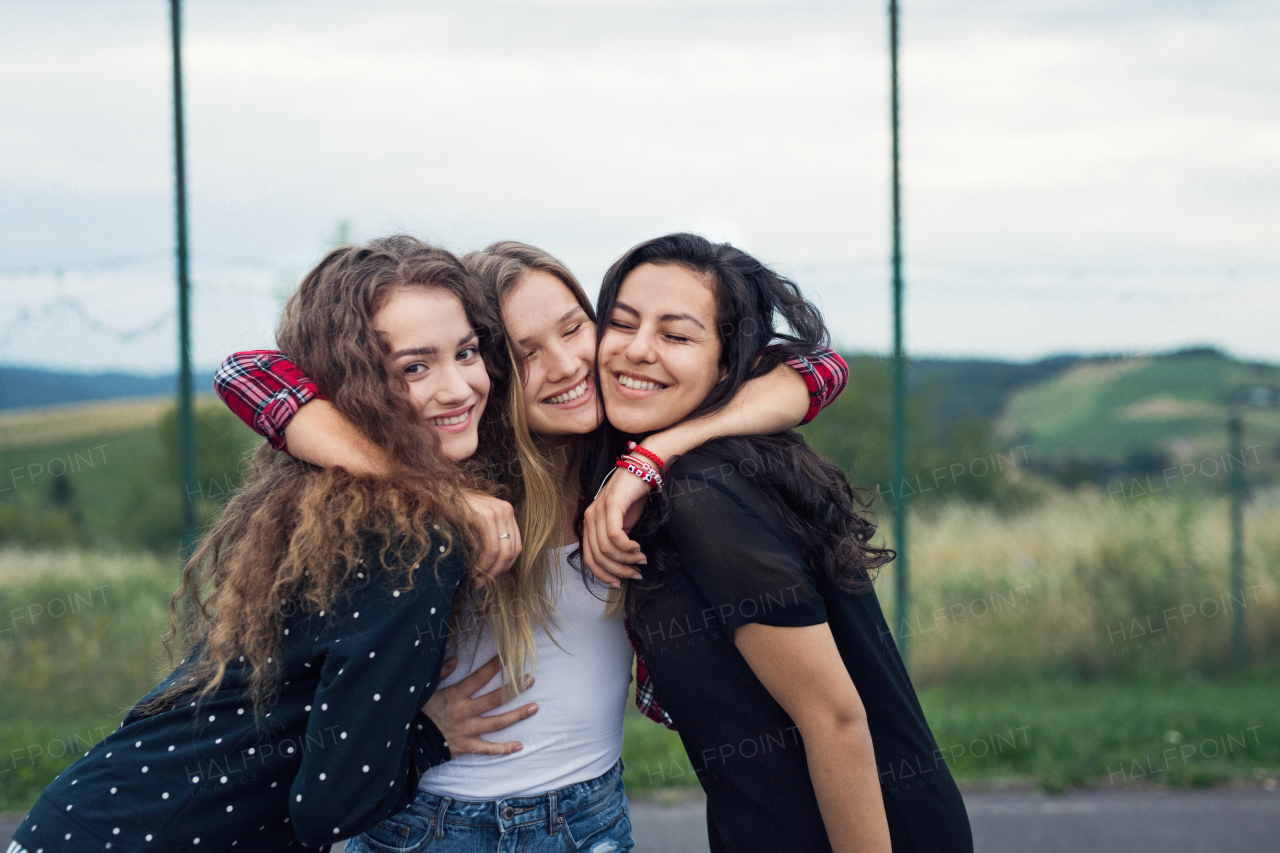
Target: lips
pixel 638 383
pixel 572 394
pixel 455 421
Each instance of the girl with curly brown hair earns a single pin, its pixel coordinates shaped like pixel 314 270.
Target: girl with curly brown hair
pixel 318 606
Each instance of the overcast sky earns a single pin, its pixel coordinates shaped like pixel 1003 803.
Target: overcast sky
pixel 1079 176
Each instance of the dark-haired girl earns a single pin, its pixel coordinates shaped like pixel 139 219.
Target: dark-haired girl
pixel 755 617
pixel 319 603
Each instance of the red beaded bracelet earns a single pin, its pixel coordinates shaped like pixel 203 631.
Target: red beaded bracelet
pixel 648 454
pixel 642 469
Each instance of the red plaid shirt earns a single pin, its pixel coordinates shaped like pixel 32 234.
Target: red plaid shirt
pixel 265 389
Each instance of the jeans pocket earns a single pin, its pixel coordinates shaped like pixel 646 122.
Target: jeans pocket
pixel 401 833
pixel 602 827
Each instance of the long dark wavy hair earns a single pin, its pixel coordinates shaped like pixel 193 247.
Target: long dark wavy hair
pixel 763 319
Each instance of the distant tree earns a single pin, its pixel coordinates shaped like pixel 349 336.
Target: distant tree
pixel 855 431
pixel 957 461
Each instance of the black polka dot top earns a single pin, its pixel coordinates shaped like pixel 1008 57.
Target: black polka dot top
pixel 339 747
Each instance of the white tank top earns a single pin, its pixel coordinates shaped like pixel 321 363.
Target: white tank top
pixel 581 689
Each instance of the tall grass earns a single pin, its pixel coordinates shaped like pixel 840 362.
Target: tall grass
pixel 1134 592
pixel 80 643
pixel 1084 586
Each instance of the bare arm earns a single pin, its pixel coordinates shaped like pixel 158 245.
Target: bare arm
pixel 767 404
pixel 460 714
pixel 319 434
pixel 802 669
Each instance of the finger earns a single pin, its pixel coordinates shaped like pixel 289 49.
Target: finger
pixel 510 548
pixel 614 541
pixel 592 558
pixel 496 546
pixel 478 679
pixel 488 701
pixel 484 747
pixel 498 722
pixel 511 528
pixel 590 561
pixel 622 495
pixel 611 559
pixel 517 542
pixel 447 668
pixel 506 535
pixel 616 529
pixel 489 549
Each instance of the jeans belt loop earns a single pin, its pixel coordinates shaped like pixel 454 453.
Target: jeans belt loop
pixel 554 827
pixel 440 812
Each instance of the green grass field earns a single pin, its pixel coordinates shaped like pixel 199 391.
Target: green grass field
pixel 80 642
pixel 1113 733
pixel 1082 640
pixel 104 475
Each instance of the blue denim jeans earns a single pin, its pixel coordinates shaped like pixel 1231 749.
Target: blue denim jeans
pixel 590 816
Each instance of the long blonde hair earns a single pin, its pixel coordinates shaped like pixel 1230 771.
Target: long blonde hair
pixel 521 601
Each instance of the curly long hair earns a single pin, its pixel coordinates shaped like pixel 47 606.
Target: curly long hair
pixel 820 511
pixel 291 536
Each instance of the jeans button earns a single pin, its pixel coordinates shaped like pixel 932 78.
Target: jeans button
pixel 508 813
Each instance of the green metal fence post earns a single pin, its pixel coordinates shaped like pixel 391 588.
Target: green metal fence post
pixel 899 446
pixel 186 419
pixel 1236 481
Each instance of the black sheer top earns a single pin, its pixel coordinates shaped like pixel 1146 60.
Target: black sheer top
pixel 725 561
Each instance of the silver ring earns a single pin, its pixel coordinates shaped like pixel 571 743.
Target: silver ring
pixel 505 536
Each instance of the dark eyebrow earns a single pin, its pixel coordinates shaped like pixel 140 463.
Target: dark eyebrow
pixel 577 309
pixel 469 336
pixel 666 318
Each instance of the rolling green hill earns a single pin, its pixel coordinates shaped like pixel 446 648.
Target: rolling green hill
pixel 1172 408
pixel 105 473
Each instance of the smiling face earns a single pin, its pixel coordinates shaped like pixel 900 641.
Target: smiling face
pixel 660 354
pixel 557 340
pixel 434 347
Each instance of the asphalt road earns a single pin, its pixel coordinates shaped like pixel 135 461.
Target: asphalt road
pixel 1215 821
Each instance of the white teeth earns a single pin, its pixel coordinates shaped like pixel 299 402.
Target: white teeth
pixel 449 421
pixel 637 384
pixel 572 394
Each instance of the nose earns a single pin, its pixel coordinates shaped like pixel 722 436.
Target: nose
pixel 453 390
pixel 641 348
pixel 561 364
